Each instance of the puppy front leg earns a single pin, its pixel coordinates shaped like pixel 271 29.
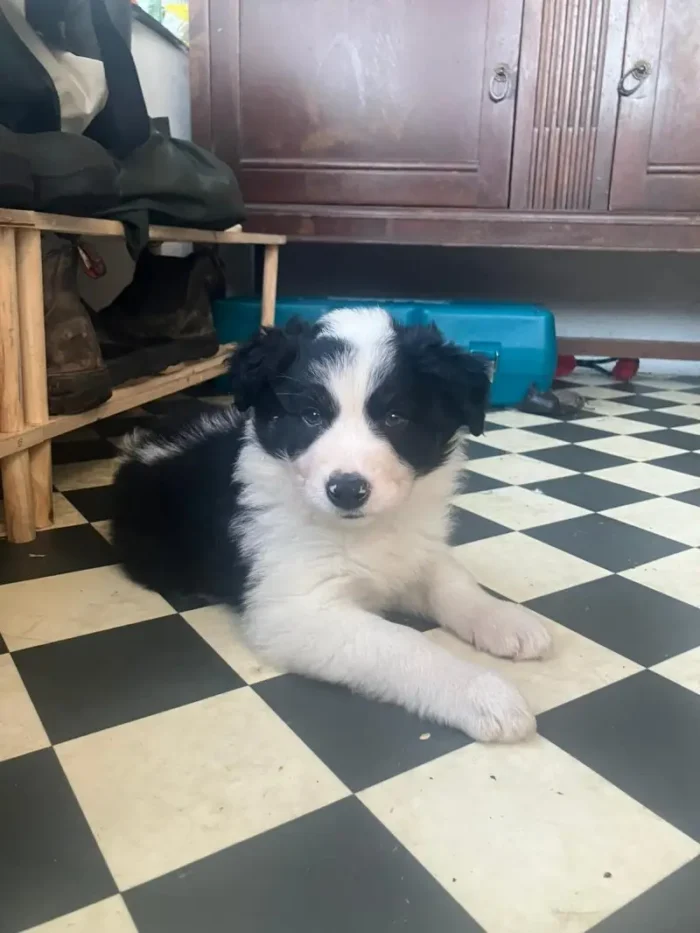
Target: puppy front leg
pixel 457 602
pixel 389 662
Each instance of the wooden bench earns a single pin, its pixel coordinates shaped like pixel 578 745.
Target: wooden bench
pixel 26 430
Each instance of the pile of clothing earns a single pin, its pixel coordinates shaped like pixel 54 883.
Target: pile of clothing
pixel 76 138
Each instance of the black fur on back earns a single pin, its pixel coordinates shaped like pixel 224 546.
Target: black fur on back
pixel 171 518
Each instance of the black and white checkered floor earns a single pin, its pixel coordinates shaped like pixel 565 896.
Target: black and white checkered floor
pixel 154 777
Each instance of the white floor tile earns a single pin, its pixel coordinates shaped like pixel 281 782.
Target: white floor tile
pixel 21 730
pixel 517 441
pixel 69 604
pixel 512 418
pixel 684 411
pixel 517 469
pixel 104 528
pixel 110 916
pixel 576 666
pixel 677 576
pixel 219 626
pixel 673 396
pixel 601 392
pixel 668 517
pixel 617 426
pixel 518 508
pixel 64 514
pixel 84 475
pixel 689 428
pixel 610 408
pixel 522 568
pixel 631 448
pixel 684 669
pixel 647 477
pixel 663 383
pixel 526 838
pixel 165 790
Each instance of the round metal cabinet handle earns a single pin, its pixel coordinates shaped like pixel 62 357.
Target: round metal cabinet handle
pixel 499 86
pixel 638 73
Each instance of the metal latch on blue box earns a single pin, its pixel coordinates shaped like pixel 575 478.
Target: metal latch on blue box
pixel 490 352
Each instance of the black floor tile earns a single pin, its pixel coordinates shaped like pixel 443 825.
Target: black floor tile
pixel 362 741
pixel 671 906
pixel 89 683
pixel 476 482
pixel 650 403
pixel 475 451
pixel 337 869
pixel 692 497
pixel 661 418
pixel 61 550
pixel 50 864
pixel 80 451
pixel 626 617
pixel 3 646
pixel 581 459
pixel 582 414
pixel 633 388
pixel 185 602
pixel 642 735
pixel 95 502
pixel 572 432
pixel 589 492
pixel 606 542
pixel 467 527
pixel 680 439
pixel 683 463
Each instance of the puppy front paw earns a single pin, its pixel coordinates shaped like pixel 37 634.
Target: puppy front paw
pixel 511 631
pixel 495 711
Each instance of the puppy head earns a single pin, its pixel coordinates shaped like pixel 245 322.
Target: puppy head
pixel 357 406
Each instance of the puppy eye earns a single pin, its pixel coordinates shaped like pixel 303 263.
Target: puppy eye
pixel 392 419
pixel 312 417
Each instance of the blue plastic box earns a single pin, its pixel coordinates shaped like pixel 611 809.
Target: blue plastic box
pixel 519 340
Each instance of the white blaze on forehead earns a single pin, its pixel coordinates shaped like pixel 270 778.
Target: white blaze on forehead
pixel 351 377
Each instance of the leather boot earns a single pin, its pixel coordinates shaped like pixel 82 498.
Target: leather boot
pixel 78 379
pixel 163 316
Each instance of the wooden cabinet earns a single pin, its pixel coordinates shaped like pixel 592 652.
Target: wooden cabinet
pixel 558 123
pixel 657 148
pixel 567 103
pixel 393 103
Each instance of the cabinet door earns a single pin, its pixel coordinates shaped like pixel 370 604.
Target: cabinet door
pixel 570 60
pixel 657 151
pixel 361 102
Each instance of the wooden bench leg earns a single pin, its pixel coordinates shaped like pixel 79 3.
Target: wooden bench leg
pixel 35 400
pixel 15 471
pixel 269 285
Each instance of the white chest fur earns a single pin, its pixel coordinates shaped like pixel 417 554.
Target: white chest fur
pixel 296 552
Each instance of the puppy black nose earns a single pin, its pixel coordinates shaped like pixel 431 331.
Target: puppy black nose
pixel 347 491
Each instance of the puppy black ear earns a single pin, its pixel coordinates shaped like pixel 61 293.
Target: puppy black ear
pixel 255 365
pixel 460 378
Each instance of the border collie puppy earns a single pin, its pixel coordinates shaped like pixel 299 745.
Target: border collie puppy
pixel 326 504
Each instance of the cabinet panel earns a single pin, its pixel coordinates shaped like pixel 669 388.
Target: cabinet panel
pixel 356 102
pixel 567 103
pixel 657 153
